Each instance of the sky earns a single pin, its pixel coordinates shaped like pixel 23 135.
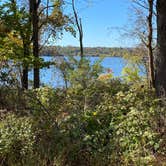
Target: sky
pixel 100 20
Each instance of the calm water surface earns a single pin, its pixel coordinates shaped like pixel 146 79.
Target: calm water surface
pixel 51 76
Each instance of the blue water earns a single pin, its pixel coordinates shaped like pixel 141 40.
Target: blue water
pixel 52 76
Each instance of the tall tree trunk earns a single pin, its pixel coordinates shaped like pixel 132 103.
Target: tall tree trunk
pixel 79 27
pixel 25 66
pixel 81 40
pixel 25 77
pixel 34 4
pixel 160 63
pixel 149 45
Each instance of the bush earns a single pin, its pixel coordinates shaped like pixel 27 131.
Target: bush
pixel 16 140
pixel 106 123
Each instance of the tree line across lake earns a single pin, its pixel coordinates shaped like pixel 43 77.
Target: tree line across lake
pixel 88 51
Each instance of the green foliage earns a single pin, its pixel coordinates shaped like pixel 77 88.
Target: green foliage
pixel 84 72
pixel 91 122
pixel 131 74
pixel 135 66
pixel 135 129
pixel 95 120
pixel 16 140
pixel 16 34
pixel 118 127
pixel 79 72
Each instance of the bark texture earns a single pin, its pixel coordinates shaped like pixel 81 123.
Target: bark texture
pixel 34 5
pixel 25 68
pixel 160 62
pixel 149 45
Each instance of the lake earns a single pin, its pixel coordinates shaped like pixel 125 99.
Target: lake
pixel 52 77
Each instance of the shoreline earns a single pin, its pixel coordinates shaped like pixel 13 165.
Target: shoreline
pixel 93 55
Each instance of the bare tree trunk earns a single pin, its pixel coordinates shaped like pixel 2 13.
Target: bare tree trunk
pixel 149 45
pixel 80 30
pixel 25 68
pixel 34 4
pixel 148 40
pixel 25 78
pixel 160 63
pixel 81 40
pixel 25 71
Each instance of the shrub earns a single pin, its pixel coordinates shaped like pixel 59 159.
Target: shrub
pixel 120 126
pixel 16 140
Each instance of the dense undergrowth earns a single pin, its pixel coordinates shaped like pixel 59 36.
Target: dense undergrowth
pixel 105 124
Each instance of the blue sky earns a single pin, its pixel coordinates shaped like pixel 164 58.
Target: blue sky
pixel 98 18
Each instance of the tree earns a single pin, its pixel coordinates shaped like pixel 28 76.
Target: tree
pixel 149 44
pixel 34 6
pixel 160 62
pixel 34 25
pixel 145 31
pixel 17 19
pixel 79 27
pixel 46 19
